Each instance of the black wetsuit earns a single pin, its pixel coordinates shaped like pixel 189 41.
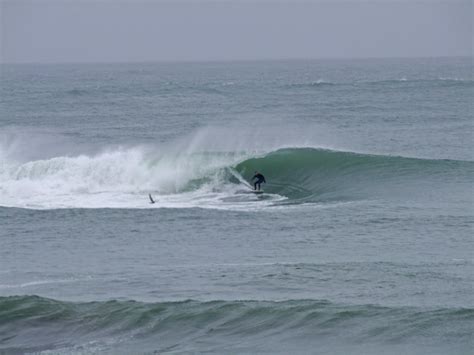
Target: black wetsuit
pixel 260 178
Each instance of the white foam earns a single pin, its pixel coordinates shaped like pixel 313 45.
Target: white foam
pixel 49 171
pixel 40 282
pixel 122 178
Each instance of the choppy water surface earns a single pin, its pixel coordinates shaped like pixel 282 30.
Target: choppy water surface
pixel 361 242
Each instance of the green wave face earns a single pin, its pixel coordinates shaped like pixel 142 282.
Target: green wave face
pixel 33 324
pixel 308 174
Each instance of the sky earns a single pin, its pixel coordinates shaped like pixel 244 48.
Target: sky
pixel 57 31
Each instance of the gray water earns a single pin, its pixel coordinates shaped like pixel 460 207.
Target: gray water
pixel 361 242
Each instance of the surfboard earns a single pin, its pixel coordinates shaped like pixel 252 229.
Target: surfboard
pixel 250 191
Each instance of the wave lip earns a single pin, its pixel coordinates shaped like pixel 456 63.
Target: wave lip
pixel 123 178
pixel 310 174
pixel 32 323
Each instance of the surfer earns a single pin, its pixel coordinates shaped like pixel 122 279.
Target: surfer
pixel 260 178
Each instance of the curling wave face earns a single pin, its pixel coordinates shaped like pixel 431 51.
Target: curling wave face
pixel 308 174
pixel 122 178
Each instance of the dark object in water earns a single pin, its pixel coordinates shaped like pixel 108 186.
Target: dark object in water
pixel 151 198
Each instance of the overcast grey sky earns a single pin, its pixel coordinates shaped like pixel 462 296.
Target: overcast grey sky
pixel 122 31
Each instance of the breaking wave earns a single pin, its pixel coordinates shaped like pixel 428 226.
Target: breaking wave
pixel 123 178
pixel 308 174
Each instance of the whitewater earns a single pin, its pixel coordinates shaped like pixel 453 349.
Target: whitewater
pixel 123 177
pixel 361 242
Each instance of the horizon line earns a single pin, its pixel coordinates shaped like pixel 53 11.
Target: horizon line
pixel 203 61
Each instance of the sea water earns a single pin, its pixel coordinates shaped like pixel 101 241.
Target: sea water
pixel 360 244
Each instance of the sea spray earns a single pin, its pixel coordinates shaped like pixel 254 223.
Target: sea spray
pixel 121 178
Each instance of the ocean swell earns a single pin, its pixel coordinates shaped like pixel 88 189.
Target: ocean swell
pixel 32 324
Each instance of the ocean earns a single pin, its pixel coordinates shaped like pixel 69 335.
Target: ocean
pixel 360 244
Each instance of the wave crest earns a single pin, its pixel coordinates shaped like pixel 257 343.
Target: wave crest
pixel 27 320
pixel 124 177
